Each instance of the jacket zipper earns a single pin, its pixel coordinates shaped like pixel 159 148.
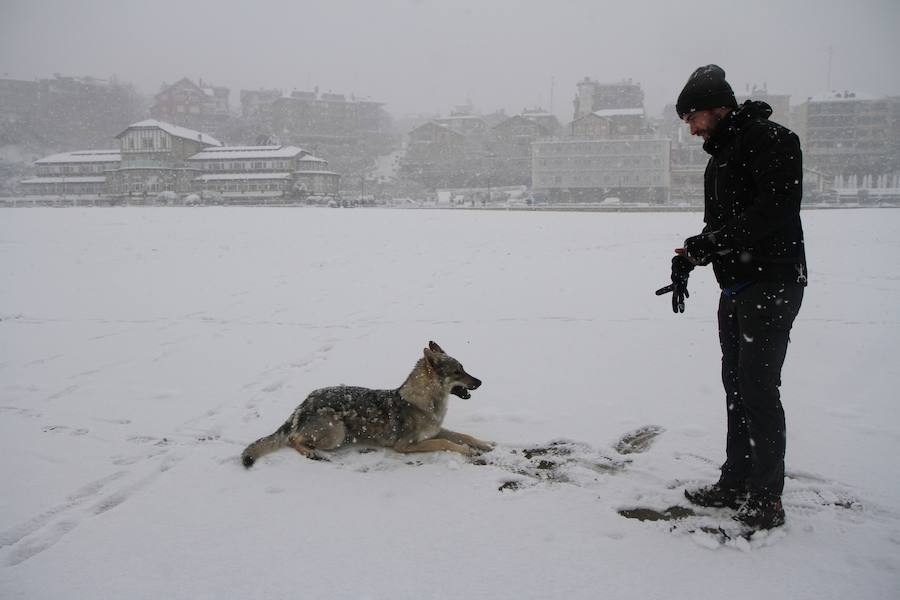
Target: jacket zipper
pixel 716 184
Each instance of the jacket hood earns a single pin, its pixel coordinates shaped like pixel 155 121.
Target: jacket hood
pixel 734 122
pixel 754 109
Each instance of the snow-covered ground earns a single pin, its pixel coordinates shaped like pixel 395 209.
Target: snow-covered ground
pixel 143 348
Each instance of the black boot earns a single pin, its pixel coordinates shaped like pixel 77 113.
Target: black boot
pixel 761 511
pixel 717 495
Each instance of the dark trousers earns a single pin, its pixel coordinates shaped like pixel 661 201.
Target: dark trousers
pixel 754 329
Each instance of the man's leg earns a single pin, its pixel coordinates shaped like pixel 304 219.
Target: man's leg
pixel 737 465
pixel 765 314
pixel 731 489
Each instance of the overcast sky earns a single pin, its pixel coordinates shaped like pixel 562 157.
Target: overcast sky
pixel 429 55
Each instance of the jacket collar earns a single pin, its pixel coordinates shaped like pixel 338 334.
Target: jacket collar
pixel 731 125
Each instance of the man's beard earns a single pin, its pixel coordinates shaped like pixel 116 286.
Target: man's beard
pixel 707 132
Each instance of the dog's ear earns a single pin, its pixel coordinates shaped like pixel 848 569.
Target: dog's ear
pixel 430 356
pixel 435 348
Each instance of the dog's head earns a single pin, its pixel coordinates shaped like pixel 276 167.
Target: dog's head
pixel 452 373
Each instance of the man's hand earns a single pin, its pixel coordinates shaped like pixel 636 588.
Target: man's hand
pixel 681 269
pixel 700 249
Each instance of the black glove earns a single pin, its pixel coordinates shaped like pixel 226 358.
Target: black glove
pixel 681 269
pixel 701 248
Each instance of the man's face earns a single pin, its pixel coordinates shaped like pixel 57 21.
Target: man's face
pixel 703 122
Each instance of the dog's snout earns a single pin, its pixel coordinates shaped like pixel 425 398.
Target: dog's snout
pixel 476 383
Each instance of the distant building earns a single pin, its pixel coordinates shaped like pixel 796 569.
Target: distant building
pixel 310 116
pixel 608 152
pixel 439 156
pixel 851 136
pixel 258 103
pixel 589 169
pixel 546 120
pixel 64 112
pixel 192 104
pixel 79 173
pixel 18 100
pixel 687 157
pixel 351 131
pixel 156 157
pixel 688 165
pixel 468 150
pixel 593 96
pixel 242 171
pixel 780 103
pixel 467 125
pixel 153 153
pixel 508 158
pixel 609 123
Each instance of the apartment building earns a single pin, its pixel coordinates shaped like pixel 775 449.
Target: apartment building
pixel 592 169
pixel 593 96
pixel 64 112
pixel 197 105
pixel 851 135
pixel 327 116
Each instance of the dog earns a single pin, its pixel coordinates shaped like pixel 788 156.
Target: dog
pixel 407 419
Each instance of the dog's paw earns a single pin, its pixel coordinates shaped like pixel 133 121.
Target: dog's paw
pixel 485 446
pixel 476 450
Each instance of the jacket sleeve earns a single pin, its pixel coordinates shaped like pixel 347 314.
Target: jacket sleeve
pixel 776 166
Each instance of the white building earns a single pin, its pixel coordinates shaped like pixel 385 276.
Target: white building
pixel 584 169
pixel 156 157
pixel 79 173
pixel 262 171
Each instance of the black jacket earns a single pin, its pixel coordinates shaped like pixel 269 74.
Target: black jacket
pixel 753 186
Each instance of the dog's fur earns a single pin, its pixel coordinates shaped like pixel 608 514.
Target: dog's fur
pixel 407 419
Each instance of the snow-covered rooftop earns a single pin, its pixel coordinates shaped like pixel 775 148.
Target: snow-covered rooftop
pixel 175 130
pixel 242 176
pixel 81 156
pixel 844 96
pixel 461 118
pixel 315 172
pixel 92 179
pixel 619 112
pixel 232 152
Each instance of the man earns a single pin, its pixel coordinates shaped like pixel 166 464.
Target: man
pixel 754 240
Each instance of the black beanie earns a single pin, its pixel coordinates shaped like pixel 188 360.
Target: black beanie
pixel 706 88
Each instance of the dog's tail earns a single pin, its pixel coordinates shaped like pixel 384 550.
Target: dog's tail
pixel 265 445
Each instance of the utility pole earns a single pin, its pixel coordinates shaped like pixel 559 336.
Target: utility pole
pixel 551 94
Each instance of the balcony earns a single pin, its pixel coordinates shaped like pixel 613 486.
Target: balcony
pixel 143 163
